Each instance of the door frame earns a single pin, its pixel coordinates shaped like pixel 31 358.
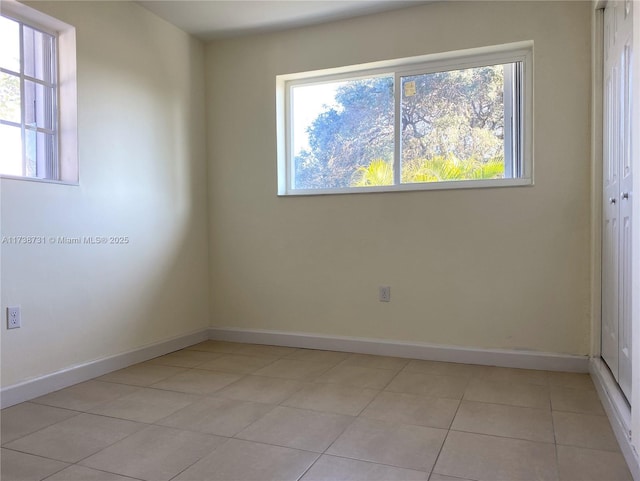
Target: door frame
pixel 635 198
pixel 625 419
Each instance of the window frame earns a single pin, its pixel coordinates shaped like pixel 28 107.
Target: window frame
pixel 51 168
pixel 65 98
pixel 520 103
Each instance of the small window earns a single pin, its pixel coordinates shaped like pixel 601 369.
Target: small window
pixel 447 121
pixel 31 99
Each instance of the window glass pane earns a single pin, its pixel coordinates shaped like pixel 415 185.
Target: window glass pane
pixel 453 125
pixel 39 111
pixel 10 41
pixel 11 151
pixel 40 155
pixel 47 161
pixel 9 97
pixel 343 133
pixel 38 54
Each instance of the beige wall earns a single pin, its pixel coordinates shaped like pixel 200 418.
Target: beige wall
pixel 491 268
pixel 142 175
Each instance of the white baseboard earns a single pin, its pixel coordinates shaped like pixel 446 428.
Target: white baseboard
pixel 413 350
pixel 42 385
pixel 618 412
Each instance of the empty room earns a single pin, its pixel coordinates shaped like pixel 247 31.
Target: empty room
pixel 282 240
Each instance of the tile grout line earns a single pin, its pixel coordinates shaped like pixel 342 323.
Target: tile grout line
pixel 200 459
pixel 169 427
pixel 555 440
pixel 4 445
pixel 39 456
pixel 94 469
pixel 435 461
pixel 355 418
pixel 280 403
pixel 509 438
pixel 378 463
pixel 303 474
pixel 76 463
pixel 56 472
pixel 275 405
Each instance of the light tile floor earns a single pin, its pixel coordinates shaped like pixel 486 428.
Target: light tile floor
pixel 242 412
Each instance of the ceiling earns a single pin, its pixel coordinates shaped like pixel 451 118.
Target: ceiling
pixel 211 19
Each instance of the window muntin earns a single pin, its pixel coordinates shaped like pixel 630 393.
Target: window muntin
pixel 461 119
pixel 28 101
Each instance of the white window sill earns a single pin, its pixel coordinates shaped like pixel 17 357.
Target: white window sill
pixel 36 179
pixel 445 185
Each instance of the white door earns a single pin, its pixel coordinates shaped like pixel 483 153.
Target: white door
pixel 617 183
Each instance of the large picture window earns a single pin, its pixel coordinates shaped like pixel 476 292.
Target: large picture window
pixel 456 120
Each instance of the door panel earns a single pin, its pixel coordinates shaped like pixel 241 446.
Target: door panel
pixel 625 217
pixel 610 202
pixel 624 359
pixel 617 185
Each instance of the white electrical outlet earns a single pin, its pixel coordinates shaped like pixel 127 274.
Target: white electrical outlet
pixel 384 294
pixel 13 317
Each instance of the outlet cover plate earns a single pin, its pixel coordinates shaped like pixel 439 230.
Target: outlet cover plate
pixel 384 294
pixel 13 317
